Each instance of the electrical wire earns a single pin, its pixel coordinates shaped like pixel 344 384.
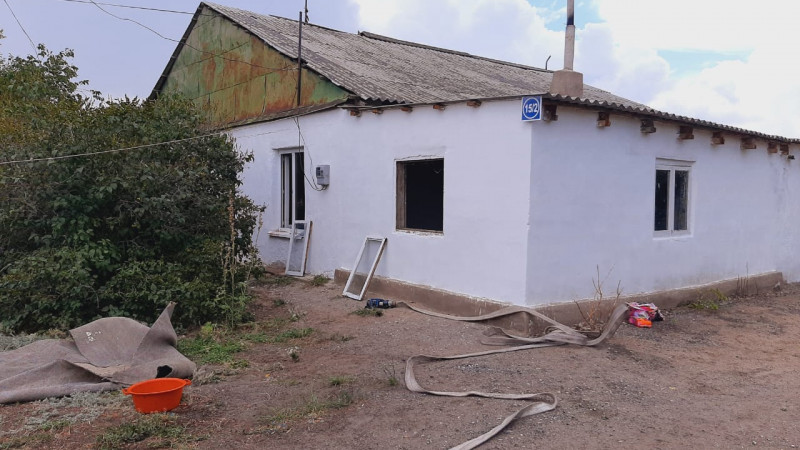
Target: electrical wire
pixel 301 142
pixel 134 21
pixel 135 7
pixel 176 40
pixel 20 25
pixel 214 55
pixel 117 150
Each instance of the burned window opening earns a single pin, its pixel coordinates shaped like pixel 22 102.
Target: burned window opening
pixel 420 195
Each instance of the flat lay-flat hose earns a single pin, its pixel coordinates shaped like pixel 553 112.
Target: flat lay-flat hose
pixel 540 402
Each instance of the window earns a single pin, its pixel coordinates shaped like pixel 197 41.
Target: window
pixel 672 197
pixel 420 195
pixel 293 188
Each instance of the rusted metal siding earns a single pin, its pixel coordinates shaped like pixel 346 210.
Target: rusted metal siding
pixel 238 77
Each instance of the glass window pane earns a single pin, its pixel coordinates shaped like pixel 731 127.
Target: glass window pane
pixel 286 190
pixel 299 187
pixel 681 219
pixel 662 199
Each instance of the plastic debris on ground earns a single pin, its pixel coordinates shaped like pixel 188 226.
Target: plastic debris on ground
pixel 643 315
pixel 380 303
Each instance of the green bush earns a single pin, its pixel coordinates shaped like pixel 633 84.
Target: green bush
pixel 115 232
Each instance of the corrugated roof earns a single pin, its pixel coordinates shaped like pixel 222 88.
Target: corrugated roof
pixel 379 68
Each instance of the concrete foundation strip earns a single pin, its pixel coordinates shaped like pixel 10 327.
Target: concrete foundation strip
pixel 542 402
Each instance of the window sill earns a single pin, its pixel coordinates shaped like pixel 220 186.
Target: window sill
pixel 283 233
pixel 419 232
pixel 666 235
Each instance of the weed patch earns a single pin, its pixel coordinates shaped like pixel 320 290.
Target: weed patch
pixel 391 375
pixel 336 337
pixel 294 333
pixel 207 348
pixel 368 312
pixel 704 305
pixel 340 380
pixel 295 314
pixel 275 323
pixel 597 312
pixel 269 332
pixel 54 414
pixel 258 337
pixel 314 407
pixel 277 280
pixel 55 425
pixel 35 440
pixel 320 280
pixel 161 427
pixel 709 301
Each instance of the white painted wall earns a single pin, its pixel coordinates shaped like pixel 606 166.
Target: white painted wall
pixel 592 203
pixel 531 209
pixel 483 249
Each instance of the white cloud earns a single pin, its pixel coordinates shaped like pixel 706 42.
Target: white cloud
pixel 511 30
pixel 758 92
pixel 634 72
pixel 749 94
pixel 718 25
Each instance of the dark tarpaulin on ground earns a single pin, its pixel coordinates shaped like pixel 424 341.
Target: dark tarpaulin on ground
pixel 103 355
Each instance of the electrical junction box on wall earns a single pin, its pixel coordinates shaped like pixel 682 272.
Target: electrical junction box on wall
pixel 323 174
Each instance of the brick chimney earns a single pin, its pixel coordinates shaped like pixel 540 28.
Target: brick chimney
pixel 567 82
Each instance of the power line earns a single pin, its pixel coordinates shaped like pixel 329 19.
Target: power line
pixel 302 139
pixel 176 40
pixel 20 25
pixel 134 21
pixel 116 150
pixel 134 7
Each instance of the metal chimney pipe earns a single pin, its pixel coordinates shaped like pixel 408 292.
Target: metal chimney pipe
pixel 569 44
pixel 566 82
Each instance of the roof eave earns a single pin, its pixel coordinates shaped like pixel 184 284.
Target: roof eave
pixel 648 113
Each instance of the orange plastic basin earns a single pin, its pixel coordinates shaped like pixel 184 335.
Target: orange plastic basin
pixel 157 395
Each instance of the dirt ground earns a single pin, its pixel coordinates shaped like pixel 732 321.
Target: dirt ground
pixel 704 378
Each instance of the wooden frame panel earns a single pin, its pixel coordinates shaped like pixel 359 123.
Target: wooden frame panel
pixel 400 189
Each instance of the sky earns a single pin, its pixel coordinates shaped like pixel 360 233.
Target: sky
pixel 730 62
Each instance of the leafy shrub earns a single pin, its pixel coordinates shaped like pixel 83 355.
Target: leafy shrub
pixel 114 232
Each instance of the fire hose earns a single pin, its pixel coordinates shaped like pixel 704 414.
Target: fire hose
pixel 559 334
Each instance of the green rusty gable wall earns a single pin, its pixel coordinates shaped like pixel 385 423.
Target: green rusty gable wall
pixel 234 91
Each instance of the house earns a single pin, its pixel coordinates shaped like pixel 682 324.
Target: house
pixel 427 147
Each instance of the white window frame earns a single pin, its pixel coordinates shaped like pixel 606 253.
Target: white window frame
pixel 300 233
pixel 381 241
pixel 285 224
pixel 672 166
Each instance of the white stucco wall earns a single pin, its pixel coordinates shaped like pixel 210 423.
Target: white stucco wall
pixel 592 204
pixel 531 209
pixel 483 249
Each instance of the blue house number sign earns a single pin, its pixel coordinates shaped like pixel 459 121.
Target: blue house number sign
pixel 532 108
